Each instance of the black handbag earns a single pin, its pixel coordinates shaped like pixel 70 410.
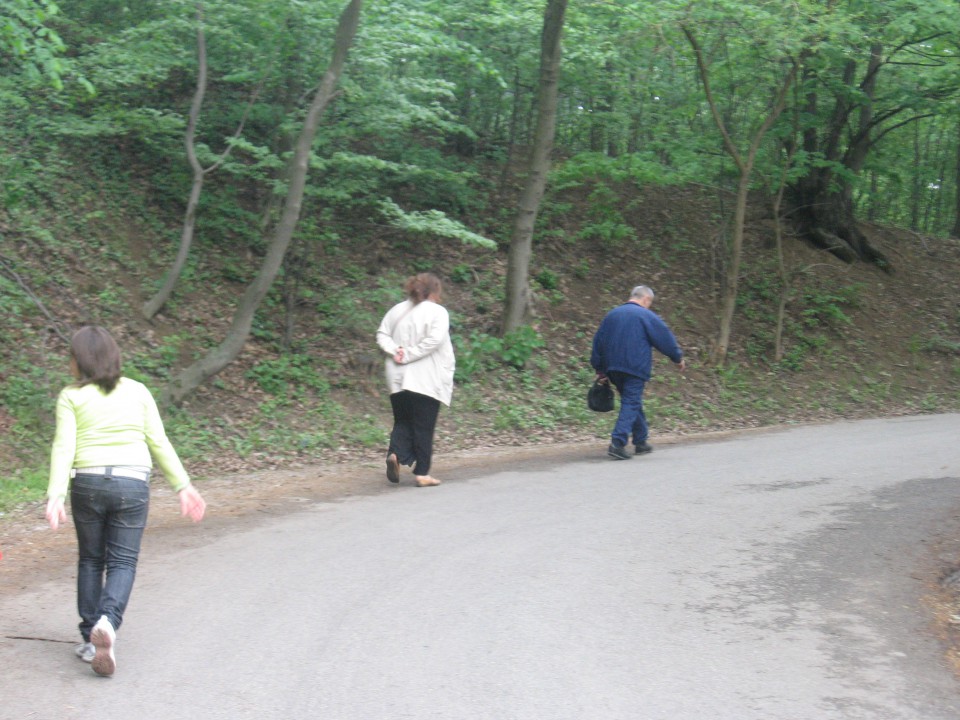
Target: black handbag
pixel 600 396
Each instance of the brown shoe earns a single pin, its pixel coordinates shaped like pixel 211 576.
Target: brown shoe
pixel 426 481
pixel 393 468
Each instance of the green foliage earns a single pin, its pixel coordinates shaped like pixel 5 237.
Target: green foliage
pixel 26 395
pixel 461 273
pixel 27 35
pixel 611 234
pixel 433 222
pixel 936 344
pixel 155 363
pixel 20 486
pixel 519 345
pixel 481 352
pixel 475 353
pixel 827 307
pixel 547 279
pixel 590 167
pixel 287 374
pixel 534 401
pixel 606 223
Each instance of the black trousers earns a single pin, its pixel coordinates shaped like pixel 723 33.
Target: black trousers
pixel 414 422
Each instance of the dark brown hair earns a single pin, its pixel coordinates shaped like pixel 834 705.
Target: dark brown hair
pixel 421 286
pixel 97 356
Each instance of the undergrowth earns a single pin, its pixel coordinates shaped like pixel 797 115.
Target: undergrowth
pixel 308 386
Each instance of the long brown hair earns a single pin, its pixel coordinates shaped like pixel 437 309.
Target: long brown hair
pixel 97 357
pixel 421 286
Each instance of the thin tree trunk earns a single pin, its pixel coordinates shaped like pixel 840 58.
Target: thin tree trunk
pixel 956 189
pixel 512 132
pixel 192 377
pixel 153 305
pixel 729 289
pixel 292 274
pixel 874 191
pixel 917 180
pixel 614 135
pixel 935 224
pixel 932 154
pixel 518 307
pixel 786 280
pixel 162 296
pixel 595 136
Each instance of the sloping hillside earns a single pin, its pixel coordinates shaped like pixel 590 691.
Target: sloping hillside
pixel 858 342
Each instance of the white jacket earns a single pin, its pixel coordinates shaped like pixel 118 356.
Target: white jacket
pixel 423 331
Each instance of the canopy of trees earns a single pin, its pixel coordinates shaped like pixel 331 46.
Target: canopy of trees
pixel 852 105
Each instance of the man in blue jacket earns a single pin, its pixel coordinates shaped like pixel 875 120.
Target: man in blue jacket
pixel 623 354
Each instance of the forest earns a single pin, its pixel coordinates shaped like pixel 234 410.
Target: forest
pixel 237 189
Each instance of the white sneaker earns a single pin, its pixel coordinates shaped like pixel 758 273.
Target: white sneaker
pixel 85 651
pixel 103 637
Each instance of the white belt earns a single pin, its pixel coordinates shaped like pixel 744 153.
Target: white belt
pixel 110 471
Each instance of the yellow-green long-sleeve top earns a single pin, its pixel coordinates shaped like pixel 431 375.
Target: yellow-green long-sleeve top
pixel 120 428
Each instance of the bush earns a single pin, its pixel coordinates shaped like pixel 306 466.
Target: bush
pixel 482 352
pixel 288 372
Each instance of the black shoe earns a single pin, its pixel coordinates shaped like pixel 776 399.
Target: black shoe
pixel 618 452
pixel 393 468
pixel 642 448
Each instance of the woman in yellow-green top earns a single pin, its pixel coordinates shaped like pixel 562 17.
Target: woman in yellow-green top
pixel 108 433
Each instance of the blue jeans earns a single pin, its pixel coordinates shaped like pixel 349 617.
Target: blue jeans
pixel 631 421
pixel 110 515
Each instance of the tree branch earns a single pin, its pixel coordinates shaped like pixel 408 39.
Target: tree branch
pixel 705 78
pixel 7 269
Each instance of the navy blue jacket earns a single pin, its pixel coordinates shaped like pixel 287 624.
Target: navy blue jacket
pixel 625 340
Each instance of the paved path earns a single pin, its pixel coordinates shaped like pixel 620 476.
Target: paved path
pixel 770 576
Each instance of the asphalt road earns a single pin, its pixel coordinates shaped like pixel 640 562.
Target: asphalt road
pixel 769 576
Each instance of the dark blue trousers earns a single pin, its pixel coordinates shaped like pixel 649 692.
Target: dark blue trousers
pixel 631 422
pixel 109 515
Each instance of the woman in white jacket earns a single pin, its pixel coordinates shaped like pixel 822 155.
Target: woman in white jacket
pixel 415 334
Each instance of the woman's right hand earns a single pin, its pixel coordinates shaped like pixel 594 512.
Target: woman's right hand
pixel 398 356
pixel 192 504
pixel 56 513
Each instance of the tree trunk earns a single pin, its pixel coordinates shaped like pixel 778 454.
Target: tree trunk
pixel 916 181
pixel 610 102
pixel 786 278
pixel 956 189
pixel 823 200
pixel 731 278
pixel 744 163
pixel 192 377
pixel 292 274
pixel 511 132
pixel 153 305
pixel 825 215
pixel 933 154
pixel 518 307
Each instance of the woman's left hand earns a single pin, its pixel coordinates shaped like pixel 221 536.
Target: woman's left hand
pixel 192 504
pixel 55 512
pixel 398 356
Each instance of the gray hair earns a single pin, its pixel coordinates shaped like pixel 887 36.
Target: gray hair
pixel 642 291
